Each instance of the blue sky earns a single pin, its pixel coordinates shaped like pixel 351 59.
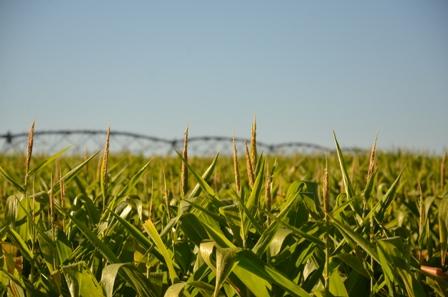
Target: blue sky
pixel 304 68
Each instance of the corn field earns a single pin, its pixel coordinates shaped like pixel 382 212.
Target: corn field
pixel 372 224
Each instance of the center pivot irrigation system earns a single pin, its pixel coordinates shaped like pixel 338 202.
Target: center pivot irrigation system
pixel 80 141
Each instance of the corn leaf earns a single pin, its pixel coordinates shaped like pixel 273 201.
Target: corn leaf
pixel 167 255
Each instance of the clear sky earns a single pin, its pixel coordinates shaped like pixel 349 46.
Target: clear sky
pixel 304 68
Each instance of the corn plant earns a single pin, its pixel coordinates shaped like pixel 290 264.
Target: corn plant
pixel 372 224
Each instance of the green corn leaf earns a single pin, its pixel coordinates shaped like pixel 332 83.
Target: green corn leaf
pixel 134 179
pixel 12 180
pixel 252 204
pixel 201 181
pixel 81 282
pixel 204 288
pixel 300 233
pixel 175 290
pixel 20 286
pixel 276 243
pixel 109 275
pixel 140 283
pixel 225 262
pixel 336 284
pixel 217 235
pixel 354 262
pixel 443 227
pixel 213 215
pixel 69 175
pixel 48 161
pixel 249 218
pixel 206 250
pixel 249 263
pixel 205 176
pixel 363 243
pixel 294 192
pixel 193 228
pixel 185 204
pixel 347 183
pixel 53 251
pixel 381 206
pixel 256 284
pixel 265 239
pixel 24 249
pixel 389 196
pixel 134 231
pixel 254 197
pixel 94 240
pixel 396 267
pixel 167 255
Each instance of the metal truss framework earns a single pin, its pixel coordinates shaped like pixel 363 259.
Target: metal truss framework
pixel 80 141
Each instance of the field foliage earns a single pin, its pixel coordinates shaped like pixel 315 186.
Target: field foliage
pixel 358 224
